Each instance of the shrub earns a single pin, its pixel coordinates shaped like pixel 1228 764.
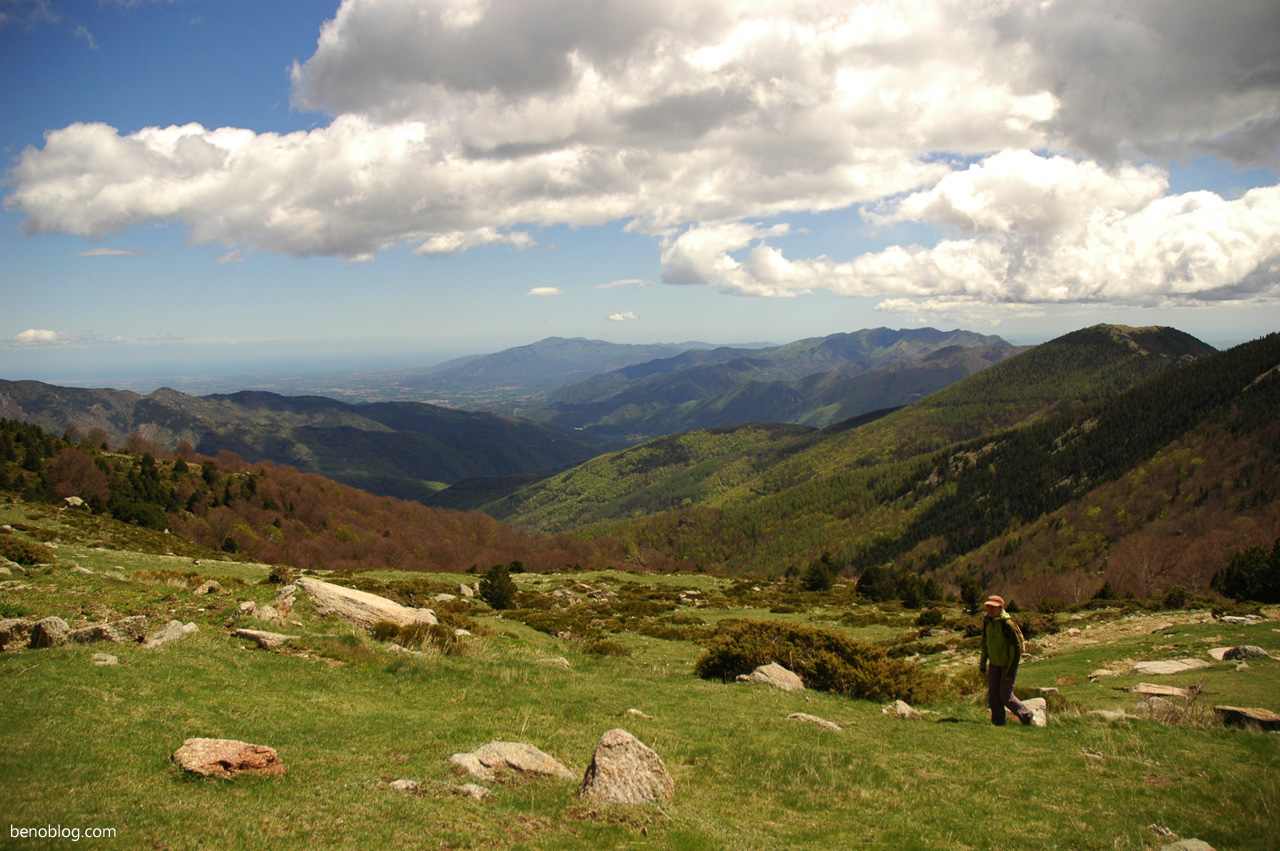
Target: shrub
pixel 497 588
pixel 820 575
pixel 605 647
pixel 1253 574
pixel 23 552
pixel 1175 598
pixel 418 635
pixel 825 660
pixel 930 617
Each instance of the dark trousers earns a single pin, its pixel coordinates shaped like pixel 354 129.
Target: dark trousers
pixel 1000 695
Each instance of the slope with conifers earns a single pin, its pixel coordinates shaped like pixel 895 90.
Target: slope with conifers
pixel 403 449
pixel 717 468
pixel 813 381
pixel 1074 493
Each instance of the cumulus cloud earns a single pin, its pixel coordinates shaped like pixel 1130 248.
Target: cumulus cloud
pixel 542 291
pixel 459 124
pixel 1032 230
pixel 625 316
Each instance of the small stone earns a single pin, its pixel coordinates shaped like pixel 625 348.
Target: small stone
pixel 267 613
pixel 558 661
pixel 1102 672
pixel 171 631
pixel 49 632
pixel 1039 711
pixel 1243 666
pixel 207 587
pixel 246 609
pixel 462 633
pixel 265 640
pixel 638 714
pixel 517 756
pixel 465 591
pixel 404 785
pixel 1248 716
pixel 472 790
pixel 1049 691
pixel 625 771
pixel 1188 845
pixel 444 598
pixel 227 758
pixel 814 719
pixel 83 571
pixel 1152 689
pixel 105 659
pixel 1111 714
pixel 774 675
pixel 286 592
pixel 903 710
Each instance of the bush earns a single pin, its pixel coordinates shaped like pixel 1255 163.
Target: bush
pixel 826 661
pixel 23 552
pixel 418 635
pixel 820 575
pixel 605 647
pixel 1253 574
pixel 497 588
pixel 930 617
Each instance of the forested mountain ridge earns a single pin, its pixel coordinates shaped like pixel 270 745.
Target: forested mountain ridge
pixel 401 449
pixel 1161 483
pixel 719 467
pixel 802 381
pixel 718 395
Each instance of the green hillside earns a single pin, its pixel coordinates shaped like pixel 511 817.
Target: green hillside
pixel 815 381
pixel 403 449
pixel 711 470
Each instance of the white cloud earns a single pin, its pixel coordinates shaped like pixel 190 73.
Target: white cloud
pixel 541 291
pixel 233 256
pixel 624 282
pixel 458 124
pixel 1033 230
pixel 38 337
pixel 623 317
pixel 108 252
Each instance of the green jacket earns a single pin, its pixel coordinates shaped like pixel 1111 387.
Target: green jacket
pixel 1002 643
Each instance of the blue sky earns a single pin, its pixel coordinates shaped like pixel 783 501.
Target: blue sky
pixel 216 186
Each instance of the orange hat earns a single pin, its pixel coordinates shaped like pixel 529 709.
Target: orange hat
pixel 995 600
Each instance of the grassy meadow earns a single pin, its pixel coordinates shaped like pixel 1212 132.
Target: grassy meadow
pixel 86 747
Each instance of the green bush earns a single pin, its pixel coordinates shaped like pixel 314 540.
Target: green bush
pixel 605 647
pixel 23 552
pixel 825 660
pixel 497 588
pixel 930 617
pixel 1253 574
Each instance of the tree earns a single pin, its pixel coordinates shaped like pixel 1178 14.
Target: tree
pixel 971 594
pixel 820 575
pixel 497 588
pixel 1253 574
pixel 73 473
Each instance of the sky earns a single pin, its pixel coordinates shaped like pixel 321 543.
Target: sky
pixel 201 187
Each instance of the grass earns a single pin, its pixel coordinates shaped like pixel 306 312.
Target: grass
pixel 90 746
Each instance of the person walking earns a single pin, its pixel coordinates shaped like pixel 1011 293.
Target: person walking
pixel 1002 647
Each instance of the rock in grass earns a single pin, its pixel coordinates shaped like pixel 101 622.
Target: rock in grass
pixel 360 607
pixel 1244 716
pixel 774 675
pixel 207 587
pixel 1039 711
pixel 14 631
pixel 814 719
pixel 1167 666
pixel 117 632
pixel 1246 651
pixel 471 790
pixel 557 661
pixel 246 609
pixel 1188 845
pixel 517 756
pixel 171 631
pixel 405 785
pixel 49 632
pixel 903 710
pixel 625 771
pixel 227 758
pixel 265 640
pixel 105 660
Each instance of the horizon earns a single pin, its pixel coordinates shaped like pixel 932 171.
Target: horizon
pixel 222 188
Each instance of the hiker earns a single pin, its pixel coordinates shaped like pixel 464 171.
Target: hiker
pixel 1002 646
